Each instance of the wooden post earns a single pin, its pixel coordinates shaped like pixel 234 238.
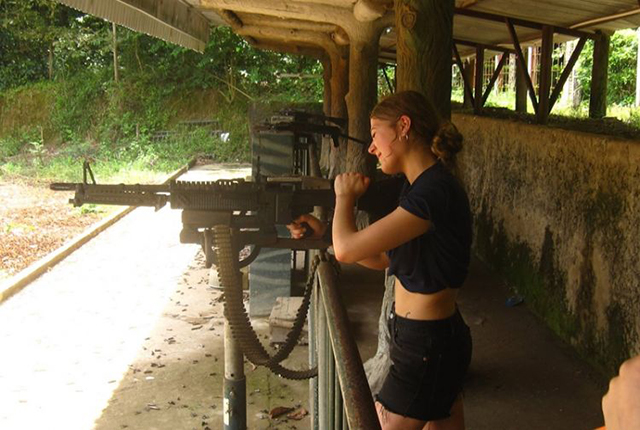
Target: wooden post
pixel 339 88
pixel 546 62
pixel 477 96
pixel 468 73
pixel 424 30
pixel 598 100
pixel 521 86
pixel 116 75
pixel 363 94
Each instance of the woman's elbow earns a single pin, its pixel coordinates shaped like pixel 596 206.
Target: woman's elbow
pixel 344 255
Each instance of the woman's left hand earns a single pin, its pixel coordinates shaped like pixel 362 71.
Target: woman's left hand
pixel 351 185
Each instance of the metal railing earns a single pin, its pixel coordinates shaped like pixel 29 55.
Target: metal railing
pixel 340 397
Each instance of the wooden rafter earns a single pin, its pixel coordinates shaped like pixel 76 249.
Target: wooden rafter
pixel 477 97
pixel 494 77
pixel 489 47
pixel 523 63
pixel 521 22
pixel 566 72
pixel 467 85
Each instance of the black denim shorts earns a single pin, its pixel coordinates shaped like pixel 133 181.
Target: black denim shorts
pixel 429 363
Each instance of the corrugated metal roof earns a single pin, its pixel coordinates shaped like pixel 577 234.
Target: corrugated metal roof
pixel 186 22
pixel 171 20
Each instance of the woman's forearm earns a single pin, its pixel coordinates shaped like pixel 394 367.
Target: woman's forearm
pixel 344 225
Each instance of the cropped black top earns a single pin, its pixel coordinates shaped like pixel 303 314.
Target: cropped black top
pixel 440 257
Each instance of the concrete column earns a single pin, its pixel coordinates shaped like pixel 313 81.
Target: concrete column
pixel 599 75
pixel 424 31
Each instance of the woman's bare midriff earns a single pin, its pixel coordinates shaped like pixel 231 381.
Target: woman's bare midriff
pixel 419 306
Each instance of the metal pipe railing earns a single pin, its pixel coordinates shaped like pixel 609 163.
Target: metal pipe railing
pixel 352 399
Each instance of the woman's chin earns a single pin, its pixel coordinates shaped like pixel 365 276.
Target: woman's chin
pixel 387 169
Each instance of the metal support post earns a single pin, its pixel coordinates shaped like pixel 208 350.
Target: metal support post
pixel 323 346
pixel 234 388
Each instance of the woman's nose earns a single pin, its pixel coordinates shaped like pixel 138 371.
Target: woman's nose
pixel 371 148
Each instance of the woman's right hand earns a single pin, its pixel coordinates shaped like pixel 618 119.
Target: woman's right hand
pixel 298 230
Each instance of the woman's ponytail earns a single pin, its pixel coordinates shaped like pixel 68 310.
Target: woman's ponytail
pixel 446 143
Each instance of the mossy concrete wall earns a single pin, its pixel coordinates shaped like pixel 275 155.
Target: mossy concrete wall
pixel 557 213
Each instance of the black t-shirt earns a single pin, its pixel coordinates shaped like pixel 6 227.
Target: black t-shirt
pixel 440 257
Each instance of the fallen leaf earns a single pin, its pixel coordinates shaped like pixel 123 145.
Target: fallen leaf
pixel 298 415
pixel 278 411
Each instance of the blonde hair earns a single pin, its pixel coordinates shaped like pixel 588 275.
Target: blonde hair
pixel 443 137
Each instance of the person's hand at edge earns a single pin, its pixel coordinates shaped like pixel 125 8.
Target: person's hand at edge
pixel 621 405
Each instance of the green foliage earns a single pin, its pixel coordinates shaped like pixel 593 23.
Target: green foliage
pixel 621 84
pixel 46 130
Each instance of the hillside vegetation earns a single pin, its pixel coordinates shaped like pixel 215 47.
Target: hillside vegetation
pixel 60 101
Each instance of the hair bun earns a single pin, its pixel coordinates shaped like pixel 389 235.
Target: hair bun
pixel 447 142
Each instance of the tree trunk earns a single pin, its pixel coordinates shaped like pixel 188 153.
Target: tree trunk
pixel 638 68
pixel 377 366
pixel 50 62
pixel 325 149
pixel 363 95
pixel 599 76
pixel 424 30
pixel 116 75
pixel 339 88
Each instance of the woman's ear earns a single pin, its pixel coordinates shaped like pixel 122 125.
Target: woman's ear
pixel 405 125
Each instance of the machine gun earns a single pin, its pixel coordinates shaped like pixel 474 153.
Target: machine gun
pixel 252 209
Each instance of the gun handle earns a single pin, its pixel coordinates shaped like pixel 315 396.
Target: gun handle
pixel 308 231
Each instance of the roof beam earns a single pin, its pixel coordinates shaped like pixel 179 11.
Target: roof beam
pixel 343 17
pixel 321 40
pixel 606 19
pixel 521 22
pixel 489 47
pixel 170 20
pixel 291 49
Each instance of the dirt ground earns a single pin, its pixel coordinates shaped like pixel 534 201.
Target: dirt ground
pixel 35 221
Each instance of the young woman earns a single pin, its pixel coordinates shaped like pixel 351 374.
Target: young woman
pixel 425 242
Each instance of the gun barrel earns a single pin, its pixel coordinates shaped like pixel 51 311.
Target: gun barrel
pixel 63 186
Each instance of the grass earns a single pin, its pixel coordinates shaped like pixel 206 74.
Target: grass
pixel 139 160
pixel 506 99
